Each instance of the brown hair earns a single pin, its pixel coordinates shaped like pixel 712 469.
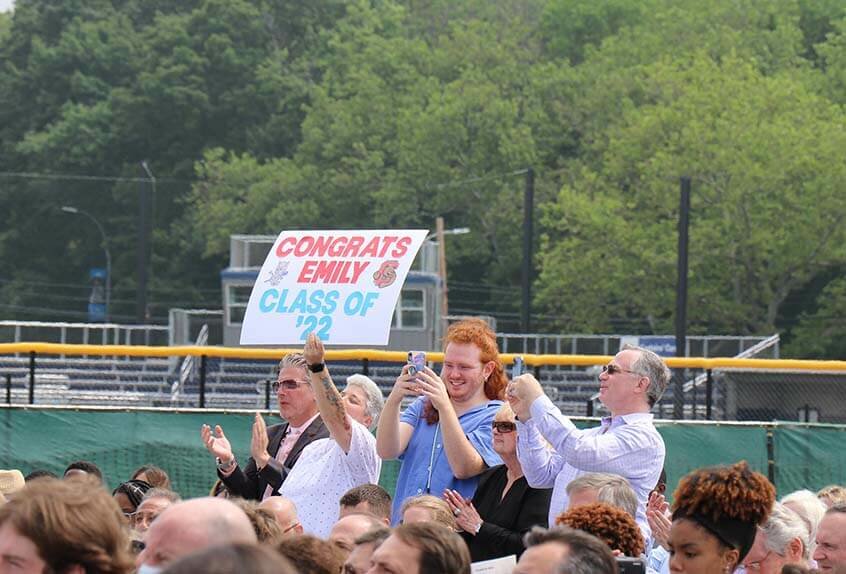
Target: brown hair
pixel 728 501
pixel 311 555
pixel 232 559
pixel 374 495
pixel 441 549
pixel 157 477
pixel 70 524
pixel 264 521
pixel 475 332
pixel 614 526
pixel 441 513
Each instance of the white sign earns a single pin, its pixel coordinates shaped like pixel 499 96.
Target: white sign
pixel 502 565
pixel 342 285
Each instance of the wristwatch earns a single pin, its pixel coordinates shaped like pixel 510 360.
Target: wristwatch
pixel 225 466
pixel 317 367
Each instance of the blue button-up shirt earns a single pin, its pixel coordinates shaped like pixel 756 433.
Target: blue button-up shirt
pixel 425 468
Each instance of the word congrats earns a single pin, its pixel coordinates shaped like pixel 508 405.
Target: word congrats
pixel 341 285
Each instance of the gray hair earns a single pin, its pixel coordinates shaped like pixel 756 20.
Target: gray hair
pixel 810 509
pixel 655 369
pixel 375 399
pixel 587 553
pixel 782 527
pixel 295 360
pixel 610 488
pixel 168 495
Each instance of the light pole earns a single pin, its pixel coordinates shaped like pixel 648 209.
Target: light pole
pixel 75 211
pixel 439 234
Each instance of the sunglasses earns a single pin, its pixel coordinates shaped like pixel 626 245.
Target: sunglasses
pixel 504 427
pixel 287 384
pixel 613 369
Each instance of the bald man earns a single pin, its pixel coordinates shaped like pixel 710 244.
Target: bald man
pixel 285 512
pixel 190 526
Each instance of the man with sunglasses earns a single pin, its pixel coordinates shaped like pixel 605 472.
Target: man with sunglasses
pixel 275 449
pixel 626 443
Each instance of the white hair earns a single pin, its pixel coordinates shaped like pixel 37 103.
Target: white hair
pixel 375 399
pixel 782 527
pixel 809 508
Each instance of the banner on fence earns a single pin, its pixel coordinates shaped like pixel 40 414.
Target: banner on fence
pixel 341 285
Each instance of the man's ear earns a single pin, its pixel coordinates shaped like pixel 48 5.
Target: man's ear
pixel 488 369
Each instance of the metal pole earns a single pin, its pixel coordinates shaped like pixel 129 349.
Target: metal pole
pixel 203 359
pixel 267 384
pixel 528 231
pixel 8 389
pixel 709 392
pixel 365 367
pixel 771 463
pixel 143 246
pixel 442 272
pixel 681 293
pixel 32 377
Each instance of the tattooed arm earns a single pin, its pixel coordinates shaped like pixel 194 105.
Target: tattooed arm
pixel 329 400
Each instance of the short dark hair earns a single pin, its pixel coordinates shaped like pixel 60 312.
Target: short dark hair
pixel 441 549
pixel 587 553
pixel 233 559
pixel 373 494
pixel 86 466
pixel 40 473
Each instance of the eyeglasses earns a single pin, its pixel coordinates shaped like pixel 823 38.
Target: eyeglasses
pixel 756 565
pixel 504 427
pixel 613 369
pixel 287 384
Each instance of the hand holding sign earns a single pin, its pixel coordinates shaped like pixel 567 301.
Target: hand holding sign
pixel 313 350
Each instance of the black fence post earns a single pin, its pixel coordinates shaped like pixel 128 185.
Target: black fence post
pixel 203 360
pixel 709 392
pixel 365 367
pixel 8 388
pixel 590 407
pixel 32 377
pixel 267 383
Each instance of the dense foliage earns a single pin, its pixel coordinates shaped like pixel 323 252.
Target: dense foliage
pixel 256 116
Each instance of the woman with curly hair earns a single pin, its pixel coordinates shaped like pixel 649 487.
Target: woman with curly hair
pixel 614 526
pixel 716 513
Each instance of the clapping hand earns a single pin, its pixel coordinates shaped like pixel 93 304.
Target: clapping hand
pixel 658 517
pixel 258 443
pixel 216 443
pixel 466 516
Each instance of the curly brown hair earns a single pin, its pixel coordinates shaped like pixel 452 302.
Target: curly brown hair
pixel 476 332
pixel 735 492
pixel 612 525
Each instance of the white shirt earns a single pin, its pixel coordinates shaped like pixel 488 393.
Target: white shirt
pixel 324 472
pixel 628 445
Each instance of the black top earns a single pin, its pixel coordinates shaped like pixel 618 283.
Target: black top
pixel 505 520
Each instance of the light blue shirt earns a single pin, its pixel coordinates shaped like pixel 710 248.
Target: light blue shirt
pixel 425 451
pixel 627 445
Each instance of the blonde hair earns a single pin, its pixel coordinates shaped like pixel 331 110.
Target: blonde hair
pixel 438 507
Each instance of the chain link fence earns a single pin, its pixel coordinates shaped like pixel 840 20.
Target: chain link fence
pixel 212 377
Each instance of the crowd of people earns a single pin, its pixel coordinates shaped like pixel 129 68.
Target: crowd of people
pixel 490 470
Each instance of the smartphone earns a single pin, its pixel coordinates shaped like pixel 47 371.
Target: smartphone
pixel 417 360
pixel 519 367
pixel 629 565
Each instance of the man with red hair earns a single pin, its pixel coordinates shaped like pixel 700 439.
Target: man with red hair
pixel 444 437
